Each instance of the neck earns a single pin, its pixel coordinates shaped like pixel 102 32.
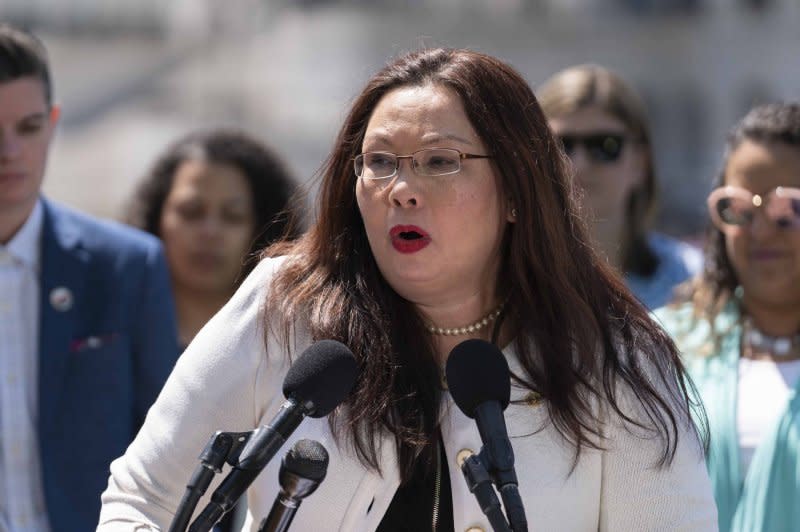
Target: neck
pixel 194 309
pixel 774 320
pixel 456 315
pixel 12 218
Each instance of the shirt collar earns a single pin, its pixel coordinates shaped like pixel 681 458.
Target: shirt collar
pixel 25 245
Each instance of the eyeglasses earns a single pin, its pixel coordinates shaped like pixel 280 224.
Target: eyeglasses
pixel 426 162
pixel 602 147
pixel 735 207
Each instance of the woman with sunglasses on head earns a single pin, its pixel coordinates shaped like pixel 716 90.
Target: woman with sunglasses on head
pixel 739 327
pixel 603 128
pixel 445 213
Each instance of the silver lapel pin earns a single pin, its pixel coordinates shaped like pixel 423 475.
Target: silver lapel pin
pixel 61 298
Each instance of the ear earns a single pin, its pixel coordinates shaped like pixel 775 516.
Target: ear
pixel 55 114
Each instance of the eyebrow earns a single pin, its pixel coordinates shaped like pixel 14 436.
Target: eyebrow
pixel 382 138
pixel 449 136
pixel 34 116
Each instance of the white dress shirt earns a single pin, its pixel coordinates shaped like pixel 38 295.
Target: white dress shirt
pixel 21 494
pixel 765 388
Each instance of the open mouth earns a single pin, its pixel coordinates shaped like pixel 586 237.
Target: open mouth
pixel 409 235
pixel 409 238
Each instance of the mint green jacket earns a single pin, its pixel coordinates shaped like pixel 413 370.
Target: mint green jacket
pixel 768 498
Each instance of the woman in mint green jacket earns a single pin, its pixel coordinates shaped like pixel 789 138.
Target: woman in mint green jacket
pixel 739 328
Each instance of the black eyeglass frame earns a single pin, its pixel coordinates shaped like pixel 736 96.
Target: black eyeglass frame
pixel 461 156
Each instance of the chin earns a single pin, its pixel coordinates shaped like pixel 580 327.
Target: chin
pixel 407 282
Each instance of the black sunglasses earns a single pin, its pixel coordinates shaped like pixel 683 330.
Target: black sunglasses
pixel 600 146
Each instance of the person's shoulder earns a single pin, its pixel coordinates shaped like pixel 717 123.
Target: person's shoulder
pixel 99 234
pixel 267 268
pixel 676 254
pixel 690 331
pixel 674 315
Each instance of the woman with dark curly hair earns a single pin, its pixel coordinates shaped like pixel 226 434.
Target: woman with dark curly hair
pixel 445 214
pixel 215 198
pixel 739 326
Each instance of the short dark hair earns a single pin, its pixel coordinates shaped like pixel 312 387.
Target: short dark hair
pixel 23 55
pixel 272 188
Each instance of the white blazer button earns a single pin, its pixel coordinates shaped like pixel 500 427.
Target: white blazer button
pixel 462 455
pixel 474 529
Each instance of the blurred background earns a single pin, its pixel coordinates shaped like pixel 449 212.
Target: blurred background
pixel 132 75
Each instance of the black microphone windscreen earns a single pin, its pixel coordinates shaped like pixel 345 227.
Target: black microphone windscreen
pixel 307 459
pixel 323 374
pixel 477 372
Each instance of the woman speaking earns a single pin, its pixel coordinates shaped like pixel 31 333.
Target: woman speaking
pixel 445 213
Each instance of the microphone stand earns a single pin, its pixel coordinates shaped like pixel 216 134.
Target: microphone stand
pixel 480 485
pixel 506 481
pixel 221 448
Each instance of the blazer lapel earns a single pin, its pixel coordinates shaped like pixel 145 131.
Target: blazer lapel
pixel 64 267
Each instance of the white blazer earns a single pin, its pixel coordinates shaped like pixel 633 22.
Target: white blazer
pixel 229 380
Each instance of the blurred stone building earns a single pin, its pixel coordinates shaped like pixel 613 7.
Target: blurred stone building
pixel 134 74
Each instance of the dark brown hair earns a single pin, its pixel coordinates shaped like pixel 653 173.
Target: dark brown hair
pixel 23 55
pixel 272 189
pixel 584 86
pixel 768 123
pixel 578 332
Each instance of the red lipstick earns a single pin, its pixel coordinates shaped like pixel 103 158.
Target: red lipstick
pixel 408 238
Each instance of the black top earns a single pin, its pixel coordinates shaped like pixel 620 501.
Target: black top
pixel 411 509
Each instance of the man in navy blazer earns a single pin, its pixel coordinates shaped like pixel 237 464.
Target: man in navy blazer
pixel 87 323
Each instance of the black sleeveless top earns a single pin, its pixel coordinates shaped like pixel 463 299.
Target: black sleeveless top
pixel 412 508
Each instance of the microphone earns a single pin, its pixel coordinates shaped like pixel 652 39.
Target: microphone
pixel 320 379
pixel 302 470
pixel 480 384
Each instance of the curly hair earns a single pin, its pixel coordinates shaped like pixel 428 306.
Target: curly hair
pixel 768 123
pixel 275 201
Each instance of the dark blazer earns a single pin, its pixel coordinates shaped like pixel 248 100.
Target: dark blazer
pixel 107 342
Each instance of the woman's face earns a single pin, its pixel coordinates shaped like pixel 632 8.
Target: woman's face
pixel 435 239
pixel 766 258
pixel 207 225
pixel 607 162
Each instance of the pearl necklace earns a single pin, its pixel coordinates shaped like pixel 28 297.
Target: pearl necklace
pixel 780 346
pixel 467 329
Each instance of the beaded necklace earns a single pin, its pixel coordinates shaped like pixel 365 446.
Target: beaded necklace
pixel 779 346
pixel 467 329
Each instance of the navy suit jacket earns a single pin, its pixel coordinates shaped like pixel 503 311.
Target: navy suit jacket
pixel 107 342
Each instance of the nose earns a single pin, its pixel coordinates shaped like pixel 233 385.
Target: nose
pixel 10 147
pixel 405 192
pixel 211 226
pixel 762 225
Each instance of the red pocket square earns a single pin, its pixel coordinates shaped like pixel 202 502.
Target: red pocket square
pixel 91 342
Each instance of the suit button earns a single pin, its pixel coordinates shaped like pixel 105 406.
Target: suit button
pixel 474 529
pixel 462 455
